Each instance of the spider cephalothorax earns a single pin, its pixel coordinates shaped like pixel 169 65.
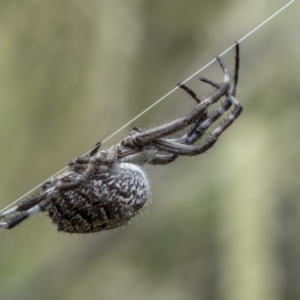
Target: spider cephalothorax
pixel 106 189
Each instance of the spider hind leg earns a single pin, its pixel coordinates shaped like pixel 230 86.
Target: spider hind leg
pixel 19 218
pixel 17 214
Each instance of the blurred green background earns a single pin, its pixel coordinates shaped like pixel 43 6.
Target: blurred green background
pixel 224 225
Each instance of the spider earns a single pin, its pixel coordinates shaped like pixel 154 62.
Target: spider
pixel 106 189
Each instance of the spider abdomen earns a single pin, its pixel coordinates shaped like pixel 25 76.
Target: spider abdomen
pixel 109 199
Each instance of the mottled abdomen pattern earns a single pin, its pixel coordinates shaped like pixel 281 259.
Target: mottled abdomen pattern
pixel 109 199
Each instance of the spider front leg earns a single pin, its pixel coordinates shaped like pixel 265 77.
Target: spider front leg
pixel 163 159
pixel 143 138
pixel 197 130
pixel 183 145
pixel 191 150
pixel 19 218
pixel 21 212
pixel 235 76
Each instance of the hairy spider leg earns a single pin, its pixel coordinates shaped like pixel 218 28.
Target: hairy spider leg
pixel 198 129
pixel 235 75
pixel 32 206
pixel 95 149
pixel 191 150
pixel 183 146
pixel 236 69
pixel 190 137
pixel 19 218
pixel 143 138
pixel 189 91
pixel 195 97
pixel 229 99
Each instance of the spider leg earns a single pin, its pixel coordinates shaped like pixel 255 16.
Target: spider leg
pixel 168 158
pixel 19 218
pixel 175 126
pixel 86 159
pixel 21 212
pixel 236 70
pixel 162 159
pixel 191 150
pixel 182 146
pixel 105 157
pixel 194 134
pixel 143 138
pixel 95 149
pixel 138 129
pixel 24 206
pixel 214 84
pixel 235 76
pixel 189 91
pixel 29 207
pixel 197 131
pixel 33 202
pixel 195 97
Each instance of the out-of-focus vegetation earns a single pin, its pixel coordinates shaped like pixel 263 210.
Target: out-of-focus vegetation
pixel 223 225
